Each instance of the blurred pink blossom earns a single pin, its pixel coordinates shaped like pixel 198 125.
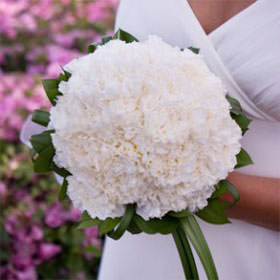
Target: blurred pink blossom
pixel 3 190
pixel 28 22
pixel 43 9
pixel 11 223
pixel 36 232
pixel 60 55
pixel 48 250
pixel 91 237
pixel 54 215
pixel 72 215
pixel 37 38
pixel 18 92
pixel 28 274
pixel 100 10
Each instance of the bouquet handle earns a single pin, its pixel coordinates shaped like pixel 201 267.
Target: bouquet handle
pixel 189 230
pixel 185 253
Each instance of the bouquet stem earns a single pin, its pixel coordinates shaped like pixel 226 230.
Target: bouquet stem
pixel 189 229
pixel 185 253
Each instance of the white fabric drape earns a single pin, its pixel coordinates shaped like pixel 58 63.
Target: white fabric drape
pixel 245 53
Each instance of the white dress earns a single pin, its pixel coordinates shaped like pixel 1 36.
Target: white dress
pixel 245 53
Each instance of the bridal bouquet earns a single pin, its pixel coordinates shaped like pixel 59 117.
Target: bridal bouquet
pixel 144 136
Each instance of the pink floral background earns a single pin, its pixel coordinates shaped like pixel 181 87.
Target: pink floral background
pixel 39 235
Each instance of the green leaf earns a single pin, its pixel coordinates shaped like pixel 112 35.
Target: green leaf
pixel 235 105
pixel 124 36
pixel 85 216
pixel 75 236
pixel 185 253
pixel 133 228
pixel 124 222
pixel 242 121
pixel 51 89
pixel 108 225
pixel 60 170
pixel 213 213
pixel 89 223
pixel 74 262
pixel 180 214
pixel 41 141
pixel 165 225
pixel 233 191
pixel 4 255
pixel 86 221
pixel 237 114
pixel 194 50
pixel 243 159
pixel 93 250
pixel 143 225
pixel 63 191
pixel 92 47
pixel 4 236
pixel 106 39
pixel 120 34
pixel 191 228
pixel 64 76
pixel 41 117
pixel 220 190
pixel 42 144
pixel 43 161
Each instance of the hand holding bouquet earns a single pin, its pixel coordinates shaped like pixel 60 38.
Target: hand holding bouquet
pixel 144 136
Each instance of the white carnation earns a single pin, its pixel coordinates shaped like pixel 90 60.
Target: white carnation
pixel 143 123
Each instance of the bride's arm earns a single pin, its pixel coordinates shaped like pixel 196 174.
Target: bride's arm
pixel 259 200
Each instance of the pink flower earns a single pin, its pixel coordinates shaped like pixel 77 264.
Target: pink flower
pixel 43 9
pixel 21 193
pixel 10 273
pixel 28 274
pixel 101 10
pixel 11 223
pixel 34 53
pixel 28 22
pixel 23 259
pixel 36 69
pixel 91 237
pixel 72 215
pixel 54 216
pixel 66 39
pixel 3 190
pixel 36 233
pixel 53 70
pixel 48 250
pixel 18 92
pixel 60 55
pixel 42 36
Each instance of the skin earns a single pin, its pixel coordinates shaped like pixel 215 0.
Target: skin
pixel 213 13
pixel 259 200
pixel 260 197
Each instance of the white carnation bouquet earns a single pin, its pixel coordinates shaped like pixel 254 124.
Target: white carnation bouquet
pixel 144 136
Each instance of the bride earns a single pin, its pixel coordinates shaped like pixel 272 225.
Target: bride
pixel 240 42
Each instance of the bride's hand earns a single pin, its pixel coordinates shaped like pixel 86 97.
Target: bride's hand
pixel 259 200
